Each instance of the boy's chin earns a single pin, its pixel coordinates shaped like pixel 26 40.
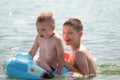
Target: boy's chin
pixel 67 43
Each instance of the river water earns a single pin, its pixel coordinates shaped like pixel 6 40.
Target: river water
pixel 101 30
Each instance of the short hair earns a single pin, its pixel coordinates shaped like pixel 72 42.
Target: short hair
pixel 46 17
pixel 75 23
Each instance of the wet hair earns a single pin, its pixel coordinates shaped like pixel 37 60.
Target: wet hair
pixel 75 23
pixel 47 18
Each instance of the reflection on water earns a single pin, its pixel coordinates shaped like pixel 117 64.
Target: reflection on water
pixel 109 69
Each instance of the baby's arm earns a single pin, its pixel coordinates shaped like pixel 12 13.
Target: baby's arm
pixel 60 53
pixel 34 48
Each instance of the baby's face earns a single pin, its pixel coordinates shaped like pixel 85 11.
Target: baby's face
pixel 44 31
pixel 69 35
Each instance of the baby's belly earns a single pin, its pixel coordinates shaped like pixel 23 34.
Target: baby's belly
pixel 50 61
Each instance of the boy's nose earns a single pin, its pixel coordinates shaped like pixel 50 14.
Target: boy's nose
pixel 66 35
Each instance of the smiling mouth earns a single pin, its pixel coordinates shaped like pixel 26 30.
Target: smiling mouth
pixel 67 40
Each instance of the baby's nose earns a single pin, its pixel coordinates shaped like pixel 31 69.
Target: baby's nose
pixel 40 32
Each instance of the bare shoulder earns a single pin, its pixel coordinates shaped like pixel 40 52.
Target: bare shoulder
pixel 37 37
pixel 86 52
pixel 84 49
pixel 82 52
pixel 57 38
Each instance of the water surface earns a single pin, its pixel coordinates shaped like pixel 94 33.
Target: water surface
pixel 101 29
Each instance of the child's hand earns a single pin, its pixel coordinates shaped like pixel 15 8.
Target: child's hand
pixel 29 57
pixel 47 68
pixel 48 75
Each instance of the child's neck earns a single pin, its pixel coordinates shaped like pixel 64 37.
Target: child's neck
pixel 75 46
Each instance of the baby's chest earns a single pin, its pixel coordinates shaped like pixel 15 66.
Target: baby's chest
pixel 48 49
pixel 47 45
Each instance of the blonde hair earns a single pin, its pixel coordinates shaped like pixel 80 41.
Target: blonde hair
pixel 46 17
pixel 75 23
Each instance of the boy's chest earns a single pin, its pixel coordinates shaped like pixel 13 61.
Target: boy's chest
pixel 72 59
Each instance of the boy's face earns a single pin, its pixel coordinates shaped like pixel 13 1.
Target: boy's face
pixel 70 35
pixel 44 30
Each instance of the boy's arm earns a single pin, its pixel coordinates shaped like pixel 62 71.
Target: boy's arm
pixel 60 53
pixel 82 63
pixel 34 48
pixel 70 67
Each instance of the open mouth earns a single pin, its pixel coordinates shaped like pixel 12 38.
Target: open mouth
pixel 41 36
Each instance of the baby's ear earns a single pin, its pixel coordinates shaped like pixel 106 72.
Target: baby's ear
pixel 53 27
pixel 80 33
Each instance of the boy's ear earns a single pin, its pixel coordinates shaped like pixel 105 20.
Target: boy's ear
pixel 80 33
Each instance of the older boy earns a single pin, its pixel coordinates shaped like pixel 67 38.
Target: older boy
pixel 80 58
pixel 49 44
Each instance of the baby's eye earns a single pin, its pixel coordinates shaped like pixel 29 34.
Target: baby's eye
pixel 37 29
pixel 42 29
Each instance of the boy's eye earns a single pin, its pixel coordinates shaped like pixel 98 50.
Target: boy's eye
pixel 67 32
pixel 63 32
pixel 70 32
